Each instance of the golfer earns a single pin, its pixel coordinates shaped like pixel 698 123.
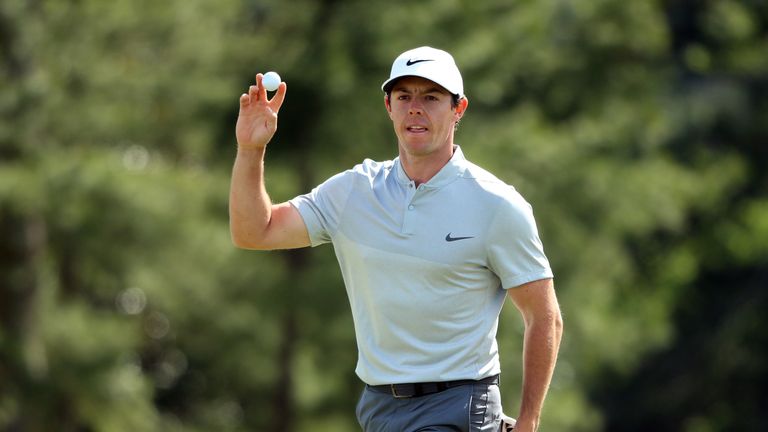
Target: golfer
pixel 429 246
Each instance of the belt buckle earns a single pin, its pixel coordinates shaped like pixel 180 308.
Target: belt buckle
pixel 396 395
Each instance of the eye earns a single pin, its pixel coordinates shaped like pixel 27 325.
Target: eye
pixel 402 97
pixel 432 98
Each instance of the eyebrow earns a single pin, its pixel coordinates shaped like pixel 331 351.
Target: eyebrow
pixel 433 89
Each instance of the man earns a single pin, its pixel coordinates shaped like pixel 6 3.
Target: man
pixel 429 246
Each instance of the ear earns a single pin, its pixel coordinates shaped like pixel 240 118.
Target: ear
pixel 387 105
pixel 461 107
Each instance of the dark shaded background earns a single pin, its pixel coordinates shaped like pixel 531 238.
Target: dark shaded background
pixel 637 130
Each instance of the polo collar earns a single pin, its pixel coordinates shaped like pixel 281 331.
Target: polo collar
pixel 451 171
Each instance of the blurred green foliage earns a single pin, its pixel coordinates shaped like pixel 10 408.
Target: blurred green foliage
pixel 636 129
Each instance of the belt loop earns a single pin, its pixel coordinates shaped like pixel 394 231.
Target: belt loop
pixel 397 395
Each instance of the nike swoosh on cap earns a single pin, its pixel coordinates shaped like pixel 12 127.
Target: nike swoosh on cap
pixel 448 238
pixel 413 62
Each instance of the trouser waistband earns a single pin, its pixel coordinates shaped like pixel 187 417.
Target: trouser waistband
pixel 409 390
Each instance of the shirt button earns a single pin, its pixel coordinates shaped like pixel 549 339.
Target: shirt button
pixel 411 207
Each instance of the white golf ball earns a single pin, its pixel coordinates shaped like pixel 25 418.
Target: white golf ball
pixel 271 81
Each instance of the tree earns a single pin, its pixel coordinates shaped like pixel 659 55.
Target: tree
pixel 634 129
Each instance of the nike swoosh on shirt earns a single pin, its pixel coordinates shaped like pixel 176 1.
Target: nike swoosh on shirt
pixel 413 62
pixel 448 238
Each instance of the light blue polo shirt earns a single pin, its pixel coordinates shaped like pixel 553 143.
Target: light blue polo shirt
pixel 425 267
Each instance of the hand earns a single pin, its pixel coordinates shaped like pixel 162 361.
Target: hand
pixel 257 120
pixel 507 423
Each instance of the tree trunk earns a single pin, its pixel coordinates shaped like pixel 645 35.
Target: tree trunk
pixel 22 359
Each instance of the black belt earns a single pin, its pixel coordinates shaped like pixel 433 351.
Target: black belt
pixel 410 390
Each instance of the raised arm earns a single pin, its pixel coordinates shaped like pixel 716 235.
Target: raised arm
pixel 538 305
pixel 254 222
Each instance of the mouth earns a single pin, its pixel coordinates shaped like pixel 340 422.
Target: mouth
pixel 416 129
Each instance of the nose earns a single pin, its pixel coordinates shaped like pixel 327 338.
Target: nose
pixel 415 107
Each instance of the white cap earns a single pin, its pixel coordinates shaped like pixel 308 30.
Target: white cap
pixel 433 64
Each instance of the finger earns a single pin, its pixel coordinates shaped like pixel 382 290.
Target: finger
pixel 279 96
pixel 245 100
pixel 262 95
pixel 253 93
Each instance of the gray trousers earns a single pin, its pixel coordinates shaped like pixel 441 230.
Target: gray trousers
pixel 466 408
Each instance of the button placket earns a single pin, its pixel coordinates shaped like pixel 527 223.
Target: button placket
pixel 408 213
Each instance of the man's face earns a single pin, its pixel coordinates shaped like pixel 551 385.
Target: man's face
pixel 422 115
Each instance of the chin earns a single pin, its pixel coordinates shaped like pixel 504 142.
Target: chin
pixel 419 148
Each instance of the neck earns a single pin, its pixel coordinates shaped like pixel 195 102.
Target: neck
pixel 421 168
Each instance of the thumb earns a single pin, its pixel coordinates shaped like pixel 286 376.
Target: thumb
pixel 279 97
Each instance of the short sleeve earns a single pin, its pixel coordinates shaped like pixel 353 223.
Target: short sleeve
pixel 515 252
pixel 322 208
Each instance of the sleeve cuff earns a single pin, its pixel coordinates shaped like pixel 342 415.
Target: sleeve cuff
pixel 517 280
